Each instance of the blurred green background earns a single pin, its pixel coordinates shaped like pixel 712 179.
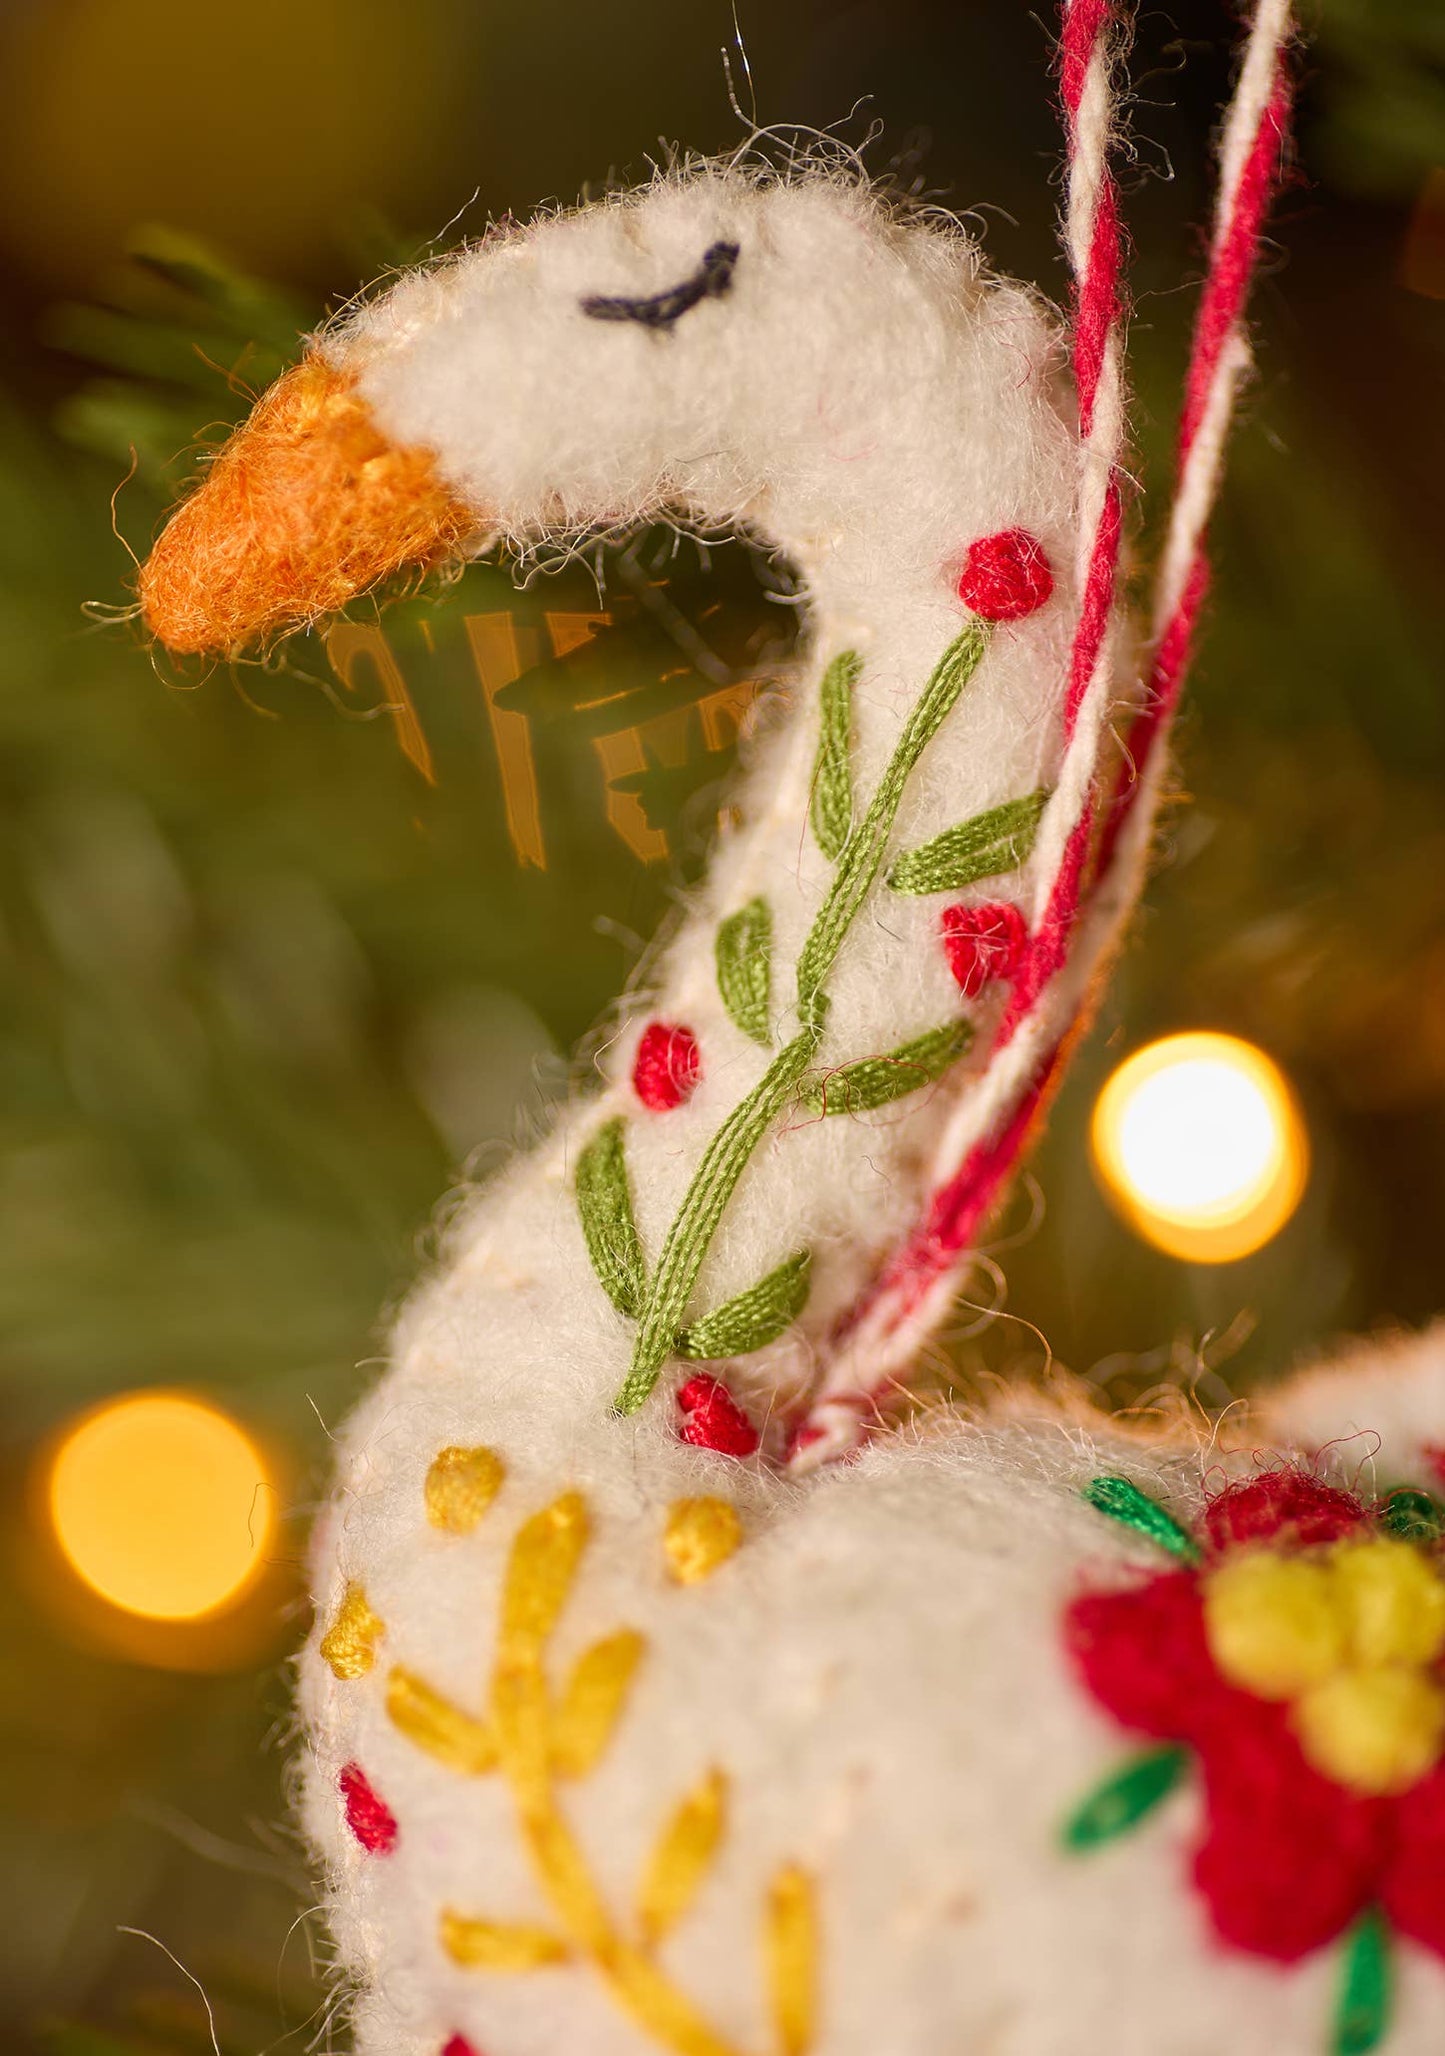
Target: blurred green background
pixel 275 966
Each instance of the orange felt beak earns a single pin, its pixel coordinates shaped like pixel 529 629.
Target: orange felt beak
pixel 306 506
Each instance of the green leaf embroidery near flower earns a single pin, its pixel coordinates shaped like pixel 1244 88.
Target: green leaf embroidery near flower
pixel 1362 2014
pixel 831 808
pixel 604 1202
pixel 1125 1797
pixel 876 1081
pixel 745 968
pixel 1122 1500
pixel 999 840
pixel 755 1318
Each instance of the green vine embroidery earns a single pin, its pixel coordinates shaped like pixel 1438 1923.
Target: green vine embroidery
pixel 744 953
pixel 744 971
pixel 831 809
pixel 999 840
pixel 604 1200
pixel 876 1081
pixel 755 1318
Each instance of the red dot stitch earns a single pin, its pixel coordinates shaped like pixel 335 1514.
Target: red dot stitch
pixel 368 1816
pixel 667 1066
pixel 983 943
pixel 713 1419
pixel 1005 576
pixel 459 2046
pixel 1434 1455
pixel 1286 1505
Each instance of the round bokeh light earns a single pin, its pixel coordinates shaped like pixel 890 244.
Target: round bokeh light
pixel 1199 1141
pixel 161 1504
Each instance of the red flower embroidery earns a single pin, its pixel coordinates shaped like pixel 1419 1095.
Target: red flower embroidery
pixel 1296 1658
pixel 1005 577
pixel 667 1066
pixel 368 1816
pixel 983 943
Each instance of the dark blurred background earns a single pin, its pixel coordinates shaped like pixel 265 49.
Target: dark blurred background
pixel 285 947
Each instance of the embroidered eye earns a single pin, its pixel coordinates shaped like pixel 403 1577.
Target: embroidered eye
pixel 713 278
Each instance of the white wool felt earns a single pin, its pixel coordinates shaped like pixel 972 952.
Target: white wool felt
pixel 878 1671
pixel 1378 1405
pixel 865 397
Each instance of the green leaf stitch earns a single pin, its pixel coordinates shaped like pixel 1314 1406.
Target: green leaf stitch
pixel 999 840
pixel 831 807
pixel 1122 1500
pixel 1362 2013
pixel 1125 1797
pixel 604 1201
pixel 755 1318
pixel 745 968
pixel 875 1081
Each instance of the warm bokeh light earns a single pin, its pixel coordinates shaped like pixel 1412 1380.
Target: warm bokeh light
pixel 161 1504
pixel 1199 1140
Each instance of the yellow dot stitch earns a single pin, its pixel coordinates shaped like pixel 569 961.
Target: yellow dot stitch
pixel 1274 1623
pixel 460 1485
pixel 349 1644
pixel 1376 1730
pixel 700 1536
pixel 1392 1599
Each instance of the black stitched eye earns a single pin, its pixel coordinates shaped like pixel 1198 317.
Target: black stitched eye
pixel 713 277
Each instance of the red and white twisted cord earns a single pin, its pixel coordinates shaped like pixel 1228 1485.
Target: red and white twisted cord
pixel 1251 151
pixel 978 1155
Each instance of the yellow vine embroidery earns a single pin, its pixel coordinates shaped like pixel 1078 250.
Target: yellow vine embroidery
pixel 535 1740
pixel 349 1644
pixel 700 1536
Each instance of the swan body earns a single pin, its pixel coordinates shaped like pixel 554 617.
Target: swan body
pixel 619 1735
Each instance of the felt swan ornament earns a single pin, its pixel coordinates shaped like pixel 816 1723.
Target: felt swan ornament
pixel 632 1724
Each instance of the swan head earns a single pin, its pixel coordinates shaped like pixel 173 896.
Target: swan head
pixel 790 356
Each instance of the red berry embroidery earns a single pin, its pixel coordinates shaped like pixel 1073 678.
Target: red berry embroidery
pixel 712 1418
pixel 459 2046
pixel 368 1816
pixel 667 1066
pixel 983 943
pixel 1005 576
